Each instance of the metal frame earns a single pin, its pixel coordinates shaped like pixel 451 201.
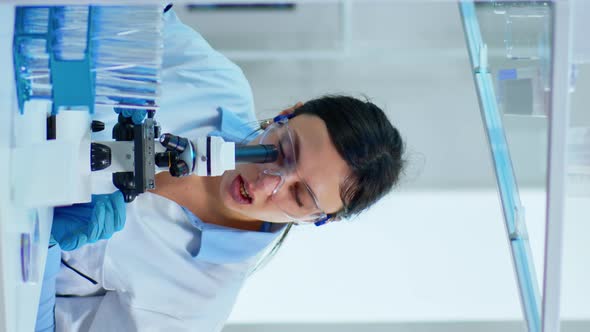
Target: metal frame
pixel 507 186
pixel 8 240
pixel 556 166
pixel 556 163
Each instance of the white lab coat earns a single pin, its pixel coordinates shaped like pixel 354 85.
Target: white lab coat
pixel 147 278
pixel 151 281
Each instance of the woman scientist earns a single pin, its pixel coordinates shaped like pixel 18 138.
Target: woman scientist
pixel 187 247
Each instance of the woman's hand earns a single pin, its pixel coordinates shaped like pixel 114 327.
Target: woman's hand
pixel 79 224
pixel 137 116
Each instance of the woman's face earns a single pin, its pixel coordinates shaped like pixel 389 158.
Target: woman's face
pixel 318 164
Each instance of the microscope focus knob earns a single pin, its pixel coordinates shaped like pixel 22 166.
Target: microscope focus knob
pixel 97 126
pixel 157 130
pixel 100 156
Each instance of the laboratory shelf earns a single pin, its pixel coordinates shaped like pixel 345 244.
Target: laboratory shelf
pixel 24 230
pixel 521 64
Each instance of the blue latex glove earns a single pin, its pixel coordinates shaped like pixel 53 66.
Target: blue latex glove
pixel 79 224
pixel 137 116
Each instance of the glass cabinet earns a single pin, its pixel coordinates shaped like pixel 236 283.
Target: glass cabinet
pixel 525 67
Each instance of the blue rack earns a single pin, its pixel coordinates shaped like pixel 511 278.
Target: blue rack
pixel 72 80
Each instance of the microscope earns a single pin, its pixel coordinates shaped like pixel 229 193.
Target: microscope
pixel 139 151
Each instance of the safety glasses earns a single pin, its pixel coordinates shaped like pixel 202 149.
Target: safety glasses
pixel 292 194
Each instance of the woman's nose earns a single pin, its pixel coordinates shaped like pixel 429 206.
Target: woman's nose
pixel 268 182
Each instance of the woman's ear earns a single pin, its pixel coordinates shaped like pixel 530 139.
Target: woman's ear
pixel 291 109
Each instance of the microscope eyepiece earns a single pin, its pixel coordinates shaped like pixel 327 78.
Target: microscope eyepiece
pixel 260 154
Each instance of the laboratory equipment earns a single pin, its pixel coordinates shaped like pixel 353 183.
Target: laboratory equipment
pixel 76 59
pixel 70 61
pixel 134 157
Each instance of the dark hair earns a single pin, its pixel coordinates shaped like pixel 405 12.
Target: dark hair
pixel 371 146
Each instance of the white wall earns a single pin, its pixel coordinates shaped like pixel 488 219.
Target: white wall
pixel 417 256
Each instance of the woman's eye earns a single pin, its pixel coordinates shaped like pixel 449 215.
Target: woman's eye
pixel 295 194
pixel 286 150
pixel 281 158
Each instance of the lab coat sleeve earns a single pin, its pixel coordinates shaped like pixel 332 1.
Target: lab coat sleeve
pixel 197 80
pixel 45 316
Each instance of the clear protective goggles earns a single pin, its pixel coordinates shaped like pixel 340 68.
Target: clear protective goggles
pixel 291 194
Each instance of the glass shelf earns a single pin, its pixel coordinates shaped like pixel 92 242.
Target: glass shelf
pixel 510 46
pixel 526 60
